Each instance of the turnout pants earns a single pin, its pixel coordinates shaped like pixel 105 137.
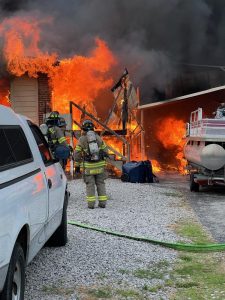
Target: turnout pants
pixel 97 180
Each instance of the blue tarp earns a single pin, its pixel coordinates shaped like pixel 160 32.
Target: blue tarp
pixel 137 171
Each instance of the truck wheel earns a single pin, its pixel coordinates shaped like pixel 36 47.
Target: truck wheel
pixel 194 187
pixel 15 280
pixel 59 237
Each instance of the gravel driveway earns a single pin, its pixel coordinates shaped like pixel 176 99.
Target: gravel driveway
pixel 93 261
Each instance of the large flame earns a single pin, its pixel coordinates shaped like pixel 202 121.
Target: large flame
pixel 171 134
pixel 79 78
pixel 21 52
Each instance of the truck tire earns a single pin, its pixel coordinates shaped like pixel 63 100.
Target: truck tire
pixel 15 280
pixel 59 237
pixel 194 187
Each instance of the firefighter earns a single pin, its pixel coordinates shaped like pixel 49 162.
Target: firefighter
pixel 90 153
pixel 56 138
pixel 220 112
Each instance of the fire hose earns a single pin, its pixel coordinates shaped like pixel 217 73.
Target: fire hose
pixel 176 246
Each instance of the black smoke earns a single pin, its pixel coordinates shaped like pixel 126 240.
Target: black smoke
pixel 154 39
pixel 10 6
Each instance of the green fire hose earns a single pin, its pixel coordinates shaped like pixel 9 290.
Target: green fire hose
pixel 176 246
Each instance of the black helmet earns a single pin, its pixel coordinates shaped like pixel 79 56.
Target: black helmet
pixel 54 115
pixel 55 120
pixel 87 125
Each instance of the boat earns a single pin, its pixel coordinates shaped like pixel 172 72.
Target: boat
pixel 204 149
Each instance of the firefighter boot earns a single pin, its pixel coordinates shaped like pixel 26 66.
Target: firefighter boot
pixel 102 204
pixel 91 204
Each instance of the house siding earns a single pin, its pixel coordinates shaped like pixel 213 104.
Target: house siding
pixel 31 96
pixel 24 96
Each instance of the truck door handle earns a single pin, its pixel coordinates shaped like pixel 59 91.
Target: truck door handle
pixel 49 183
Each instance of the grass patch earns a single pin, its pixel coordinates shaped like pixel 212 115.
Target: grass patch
pixel 197 276
pixel 186 285
pixel 148 274
pixel 57 290
pixel 123 271
pixel 104 293
pixel 186 258
pixel 129 294
pixel 190 269
pixel 161 264
pixel 152 289
pixel 193 231
pixel 172 194
pixel 156 271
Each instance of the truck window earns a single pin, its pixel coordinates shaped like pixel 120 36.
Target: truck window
pixel 41 143
pixel 14 150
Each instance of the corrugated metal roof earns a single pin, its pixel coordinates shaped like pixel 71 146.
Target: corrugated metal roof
pixel 182 97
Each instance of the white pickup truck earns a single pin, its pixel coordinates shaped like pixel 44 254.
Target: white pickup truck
pixel 33 200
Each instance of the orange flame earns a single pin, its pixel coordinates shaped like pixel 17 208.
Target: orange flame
pixel 156 166
pixel 78 79
pixel 21 51
pixel 4 92
pixel 171 132
pixel 81 78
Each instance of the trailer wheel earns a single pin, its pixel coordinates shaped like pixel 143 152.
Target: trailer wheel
pixel 194 187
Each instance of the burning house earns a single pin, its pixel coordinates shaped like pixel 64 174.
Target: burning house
pixel 165 123
pixel 32 81
pixel 37 82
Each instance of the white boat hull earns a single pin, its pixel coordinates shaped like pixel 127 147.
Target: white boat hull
pixel 211 157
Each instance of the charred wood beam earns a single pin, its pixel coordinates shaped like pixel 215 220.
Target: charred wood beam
pixel 96 120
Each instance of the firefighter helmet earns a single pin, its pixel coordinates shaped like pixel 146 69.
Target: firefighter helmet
pixel 54 115
pixel 55 120
pixel 87 125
